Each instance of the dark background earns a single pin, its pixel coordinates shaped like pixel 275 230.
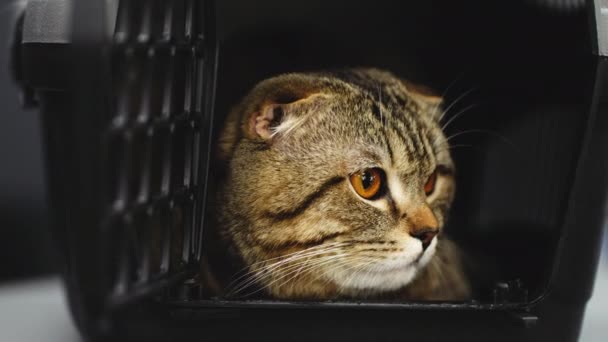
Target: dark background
pixel 516 79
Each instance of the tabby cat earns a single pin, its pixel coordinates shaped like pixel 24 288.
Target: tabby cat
pixel 337 185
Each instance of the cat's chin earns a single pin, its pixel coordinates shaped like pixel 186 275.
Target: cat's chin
pixel 384 276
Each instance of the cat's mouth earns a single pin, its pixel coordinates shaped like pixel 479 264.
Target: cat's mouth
pixel 387 273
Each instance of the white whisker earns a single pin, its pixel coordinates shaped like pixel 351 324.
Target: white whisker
pixel 492 133
pixel 257 275
pixel 332 266
pixel 322 261
pixel 285 257
pixel 458 99
pixel 461 112
pixel 451 147
pixel 316 263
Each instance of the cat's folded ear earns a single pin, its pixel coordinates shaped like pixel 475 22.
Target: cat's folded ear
pixel 274 108
pixel 277 117
pixel 280 105
pixel 425 97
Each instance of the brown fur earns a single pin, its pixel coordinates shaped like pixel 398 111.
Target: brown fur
pixel 288 150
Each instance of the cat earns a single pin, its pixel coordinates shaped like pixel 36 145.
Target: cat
pixel 336 185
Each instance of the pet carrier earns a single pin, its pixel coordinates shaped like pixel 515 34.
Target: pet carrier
pixel 131 93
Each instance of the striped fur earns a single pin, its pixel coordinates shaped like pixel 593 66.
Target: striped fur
pixel 286 206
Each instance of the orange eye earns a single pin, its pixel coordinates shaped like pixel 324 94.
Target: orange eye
pixel 367 183
pixel 429 186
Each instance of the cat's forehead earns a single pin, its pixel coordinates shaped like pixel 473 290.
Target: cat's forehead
pixel 367 118
pixel 371 139
pixel 362 156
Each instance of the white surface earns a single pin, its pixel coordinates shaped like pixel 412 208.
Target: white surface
pixel 595 325
pixel 35 311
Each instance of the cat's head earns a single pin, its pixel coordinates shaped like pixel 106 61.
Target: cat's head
pixel 336 183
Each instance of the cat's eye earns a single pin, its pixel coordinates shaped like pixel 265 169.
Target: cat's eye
pixel 429 186
pixel 368 182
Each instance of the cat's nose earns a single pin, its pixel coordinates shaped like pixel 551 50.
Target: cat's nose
pixel 425 235
pixel 423 224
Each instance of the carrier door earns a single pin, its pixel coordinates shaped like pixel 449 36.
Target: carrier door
pixel 126 92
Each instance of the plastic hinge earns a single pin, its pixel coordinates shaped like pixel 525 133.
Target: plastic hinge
pixel 510 292
pixel 28 95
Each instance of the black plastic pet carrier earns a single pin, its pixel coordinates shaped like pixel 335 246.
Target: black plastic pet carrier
pixel 132 93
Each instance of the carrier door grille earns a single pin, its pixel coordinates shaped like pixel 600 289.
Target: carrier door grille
pixel 154 143
pixel 141 124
